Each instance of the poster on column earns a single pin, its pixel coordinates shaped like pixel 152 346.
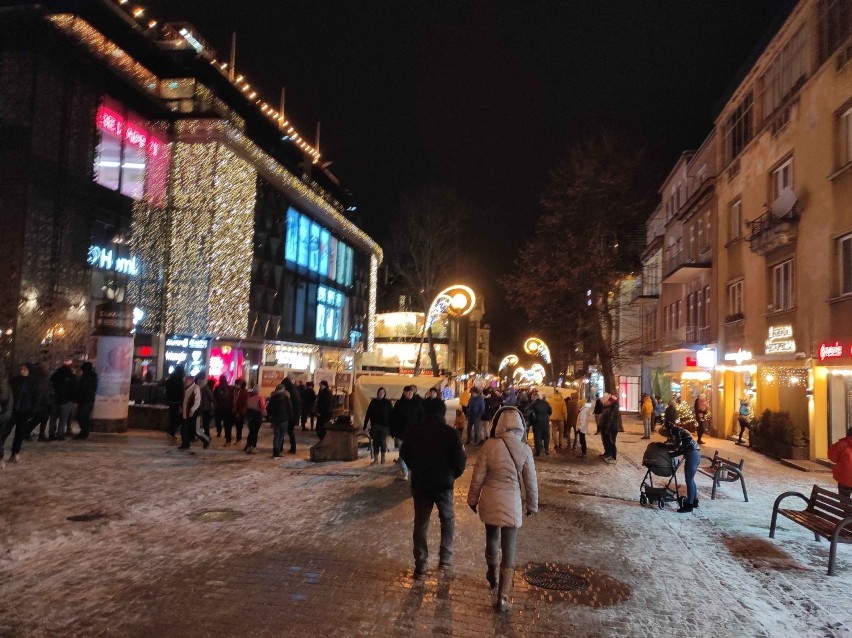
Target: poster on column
pixel 114 365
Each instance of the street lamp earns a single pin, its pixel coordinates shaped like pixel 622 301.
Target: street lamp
pixel 457 300
pixel 508 361
pixel 537 347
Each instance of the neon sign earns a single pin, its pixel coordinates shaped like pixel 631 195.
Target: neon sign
pixel 833 351
pixel 780 340
pixel 739 356
pixel 115 124
pixel 103 259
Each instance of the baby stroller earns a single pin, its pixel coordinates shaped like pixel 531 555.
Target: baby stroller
pixel 659 463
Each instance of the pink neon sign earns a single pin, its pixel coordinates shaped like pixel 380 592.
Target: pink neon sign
pixel 115 124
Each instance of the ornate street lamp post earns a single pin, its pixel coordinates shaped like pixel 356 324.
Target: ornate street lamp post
pixel 537 347
pixel 456 301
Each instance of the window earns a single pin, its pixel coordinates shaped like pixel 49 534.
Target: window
pixel 782 177
pixel 735 219
pixel 329 314
pixel 785 72
pixel 677 314
pixel 678 200
pixel 706 305
pixel 129 158
pixel 310 245
pixel 845 131
pixel 782 286
pixel 701 319
pixel 735 298
pixel 835 26
pixel 845 260
pixel 738 128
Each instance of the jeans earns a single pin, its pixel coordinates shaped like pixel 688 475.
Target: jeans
pixel 278 430
pixel 254 421
pixel 61 414
pixel 84 417
pixel 379 436
pixel 423 502
pixel 690 466
pixel 541 437
pixel 175 419
pixel 472 430
pixel 646 424
pixel 497 538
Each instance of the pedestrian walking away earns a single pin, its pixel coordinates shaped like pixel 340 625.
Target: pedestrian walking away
pixel 87 388
pixel 24 399
pixel 283 418
pixel 475 411
pixel 378 418
pixel 504 470
pixel 539 411
pixel 208 402
pixel 240 409
pixel 64 383
pixel 255 409
pixel 191 415
pixel 558 414
pixel 174 398
pixel 436 459
pixel 702 413
pixel 309 400
pixel 584 421
pixel 224 395
pixel 646 413
pixel 571 411
pixel 609 427
pixel 295 397
pixel 325 408
pixel 407 413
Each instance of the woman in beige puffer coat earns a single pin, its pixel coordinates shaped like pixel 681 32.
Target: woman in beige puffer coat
pixel 495 491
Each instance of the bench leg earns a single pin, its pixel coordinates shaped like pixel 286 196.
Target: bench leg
pixel 831 554
pixel 774 522
pixel 745 493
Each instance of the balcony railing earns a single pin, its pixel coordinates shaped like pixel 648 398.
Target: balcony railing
pixel 769 231
pixel 734 329
pixel 644 289
pixel 685 258
pixel 685 336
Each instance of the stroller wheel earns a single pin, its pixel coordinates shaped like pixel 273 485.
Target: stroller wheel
pixel 643 500
pixel 661 504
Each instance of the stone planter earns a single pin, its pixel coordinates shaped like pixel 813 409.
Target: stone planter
pixel 796 453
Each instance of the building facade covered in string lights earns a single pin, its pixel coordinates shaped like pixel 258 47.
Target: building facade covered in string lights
pixel 137 167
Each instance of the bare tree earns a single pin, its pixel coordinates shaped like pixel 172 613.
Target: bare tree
pixel 424 249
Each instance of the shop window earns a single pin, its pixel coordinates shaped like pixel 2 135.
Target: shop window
pixel 845 261
pixel 782 286
pixel 129 158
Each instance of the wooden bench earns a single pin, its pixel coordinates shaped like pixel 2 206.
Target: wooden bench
pixel 721 469
pixel 828 515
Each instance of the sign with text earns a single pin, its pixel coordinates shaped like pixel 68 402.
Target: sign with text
pixel 834 350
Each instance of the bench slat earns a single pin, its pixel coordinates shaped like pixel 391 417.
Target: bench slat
pixel 830 509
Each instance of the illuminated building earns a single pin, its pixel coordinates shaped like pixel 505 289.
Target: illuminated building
pixel 167 182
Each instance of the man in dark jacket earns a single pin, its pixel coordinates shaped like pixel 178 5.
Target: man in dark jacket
pixel 406 414
pixel 64 383
pixel 25 399
pixel 309 400
pixel 174 397
pixel 610 426
pixel 540 412
pixel 87 387
pixel 325 408
pixel 379 416
pixel 475 412
pixel 295 400
pixel 435 455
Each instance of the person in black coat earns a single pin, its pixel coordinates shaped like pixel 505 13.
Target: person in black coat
pixel 325 408
pixel 295 399
pixel 87 388
pixel 25 400
pixel 64 383
pixel 379 416
pixel 174 397
pixel 682 443
pixel 433 405
pixel 610 426
pixel 283 418
pixel 309 400
pixel 407 412
pixel 436 458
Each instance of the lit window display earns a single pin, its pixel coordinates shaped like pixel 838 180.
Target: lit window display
pixel 329 314
pixel 310 245
pixel 129 157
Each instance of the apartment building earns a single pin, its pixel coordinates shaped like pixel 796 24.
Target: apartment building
pixel 783 258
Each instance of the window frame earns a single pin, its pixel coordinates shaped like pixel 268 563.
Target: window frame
pixel 736 297
pixel 778 171
pixel 844 270
pixel 737 205
pixel 783 285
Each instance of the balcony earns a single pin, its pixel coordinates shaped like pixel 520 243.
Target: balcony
pixel 734 329
pixel 771 231
pixel 685 265
pixel 644 292
pixel 685 337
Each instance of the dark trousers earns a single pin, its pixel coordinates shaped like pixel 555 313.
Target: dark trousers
pixel 844 491
pixel 541 437
pixel 305 416
pixel 188 431
pixel 743 421
pixel 84 417
pixel 609 443
pixel 582 438
pixel 206 418
pixel 497 539
pixel 19 422
pixel 379 436
pixel 254 420
pixel 423 502
pixel 223 418
pixel 699 428
pixel 237 421
pixel 472 430
pixel 175 418
pixel 322 421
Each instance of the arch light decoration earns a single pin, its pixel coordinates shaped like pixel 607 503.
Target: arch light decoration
pixel 457 301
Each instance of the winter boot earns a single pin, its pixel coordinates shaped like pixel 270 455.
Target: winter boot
pixel 492 574
pixel 507 575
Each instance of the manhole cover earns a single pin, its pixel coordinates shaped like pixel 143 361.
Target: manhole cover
pixel 555 577
pixel 85 518
pixel 216 516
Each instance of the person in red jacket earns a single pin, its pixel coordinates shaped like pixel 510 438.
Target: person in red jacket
pixel 841 454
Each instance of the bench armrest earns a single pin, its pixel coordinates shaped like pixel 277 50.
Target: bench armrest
pixel 785 495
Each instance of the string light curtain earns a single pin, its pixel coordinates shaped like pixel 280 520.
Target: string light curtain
pixel 788 377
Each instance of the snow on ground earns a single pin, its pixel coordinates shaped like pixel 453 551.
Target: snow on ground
pixel 326 549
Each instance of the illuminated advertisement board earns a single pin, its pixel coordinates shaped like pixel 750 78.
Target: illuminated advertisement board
pixel 310 245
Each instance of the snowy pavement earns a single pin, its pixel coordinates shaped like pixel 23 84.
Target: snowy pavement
pixel 219 543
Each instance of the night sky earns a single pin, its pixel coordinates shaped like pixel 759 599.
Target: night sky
pixel 484 97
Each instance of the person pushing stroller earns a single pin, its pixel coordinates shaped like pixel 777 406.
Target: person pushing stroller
pixel 682 444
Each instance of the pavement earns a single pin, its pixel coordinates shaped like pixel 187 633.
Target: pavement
pixel 220 543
